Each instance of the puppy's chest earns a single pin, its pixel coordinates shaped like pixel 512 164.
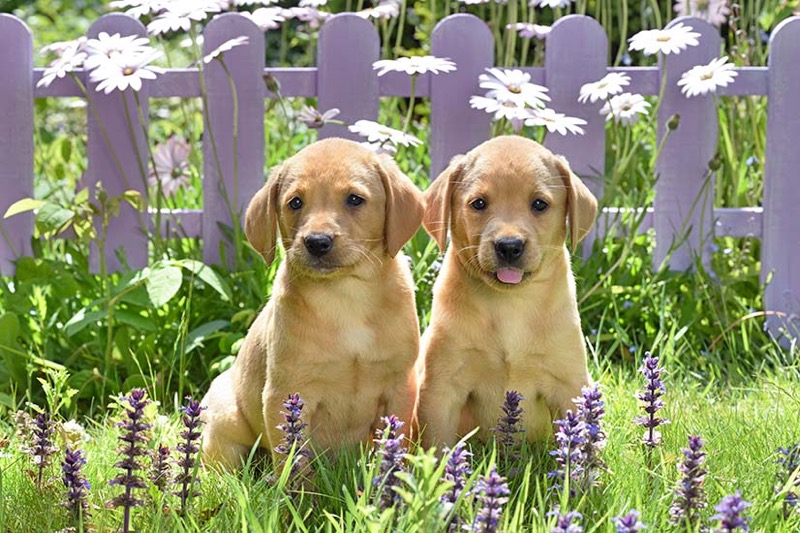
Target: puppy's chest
pixel 518 334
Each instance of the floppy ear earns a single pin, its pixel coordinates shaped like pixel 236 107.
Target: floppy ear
pixel 404 206
pixel 261 219
pixel 437 202
pixel 581 204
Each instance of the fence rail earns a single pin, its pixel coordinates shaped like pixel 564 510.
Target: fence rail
pixel 683 215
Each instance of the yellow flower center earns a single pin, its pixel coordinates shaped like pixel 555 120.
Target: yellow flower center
pixel 625 107
pixel 127 71
pixel 707 76
pixel 663 39
pixel 516 89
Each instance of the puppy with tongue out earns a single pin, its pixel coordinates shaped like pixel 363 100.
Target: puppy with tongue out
pixel 504 314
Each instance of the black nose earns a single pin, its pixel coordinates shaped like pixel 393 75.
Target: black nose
pixel 509 249
pixel 318 244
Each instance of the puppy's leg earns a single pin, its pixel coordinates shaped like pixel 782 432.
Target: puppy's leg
pixel 439 412
pixel 559 401
pixel 400 402
pixel 227 437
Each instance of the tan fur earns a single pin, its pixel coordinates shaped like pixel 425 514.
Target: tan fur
pixel 486 337
pixel 340 330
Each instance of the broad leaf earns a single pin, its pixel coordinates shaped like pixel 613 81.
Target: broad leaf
pixel 163 283
pixel 208 275
pixel 22 206
pixel 196 337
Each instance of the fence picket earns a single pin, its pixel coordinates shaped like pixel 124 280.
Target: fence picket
pixel 128 232
pixel 16 137
pixel 455 127
pixel 781 233
pixel 684 202
pixel 231 177
pixel 346 49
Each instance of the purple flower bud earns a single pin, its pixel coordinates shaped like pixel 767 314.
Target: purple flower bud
pixel 508 426
pixel 690 497
pixel 789 476
pixel 294 436
pixel 629 523
pixel 566 523
pixel 456 471
pixel 76 484
pixel 160 469
pixel 591 410
pixel 42 447
pixel 570 439
pixel 389 445
pixel 729 514
pixel 188 450
pixel 651 398
pixel 493 492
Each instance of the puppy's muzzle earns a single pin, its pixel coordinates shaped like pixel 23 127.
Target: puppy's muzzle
pixel 318 244
pixel 509 249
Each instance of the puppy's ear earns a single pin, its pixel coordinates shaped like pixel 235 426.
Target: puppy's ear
pixel 437 202
pixel 404 206
pixel 581 204
pixel 261 219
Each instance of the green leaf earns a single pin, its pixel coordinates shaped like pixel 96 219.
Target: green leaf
pixel 23 206
pixel 82 319
pixel 196 337
pixel 163 283
pixel 9 348
pixel 208 276
pixel 134 320
pixel 52 217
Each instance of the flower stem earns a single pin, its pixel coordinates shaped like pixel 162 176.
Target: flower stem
pixel 410 112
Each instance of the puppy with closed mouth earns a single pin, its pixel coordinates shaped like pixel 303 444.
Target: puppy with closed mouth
pixel 341 326
pixel 504 314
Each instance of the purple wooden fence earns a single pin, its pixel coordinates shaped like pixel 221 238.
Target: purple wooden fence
pixel 683 216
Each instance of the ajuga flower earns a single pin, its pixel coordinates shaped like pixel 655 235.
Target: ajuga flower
pixel 160 468
pixel 629 523
pixel 729 514
pixel 652 400
pixel 508 426
pixel 566 523
pixel 569 453
pixel 789 476
pixel 42 447
pixel 591 410
pixel 187 450
pixel 76 484
pixel 389 443
pixel 456 471
pixel 294 434
pixel 492 491
pixel 690 497
pixel 133 438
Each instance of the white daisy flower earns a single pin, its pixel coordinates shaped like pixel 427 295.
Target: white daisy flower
pixel 556 122
pixel 550 3
pixel 171 165
pixel 138 8
pixel 228 45
pixel 387 9
pixel 71 58
pixel 267 18
pixel 513 85
pixel 530 31
pixel 60 47
pixel 478 2
pixel 73 433
pixel 611 84
pixel 509 109
pixel 715 12
pixel 414 65
pixel 125 70
pixel 312 16
pixel 378 133
pixel 312 118
pixel 105 46
pixel 669 41
pixel 179 15
pixel 379 148
pixel 313 3
pixel 703 79
pixel 254 2
pixel 625 108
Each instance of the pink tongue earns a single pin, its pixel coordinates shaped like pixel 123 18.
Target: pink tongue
pixel 509 275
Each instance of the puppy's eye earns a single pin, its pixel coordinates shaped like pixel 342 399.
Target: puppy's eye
pixel 296 203
pixel 478 204
pixel 539 205
pixel 354 200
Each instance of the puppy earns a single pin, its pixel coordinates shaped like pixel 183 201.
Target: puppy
pixel 341 326
pixel 504 313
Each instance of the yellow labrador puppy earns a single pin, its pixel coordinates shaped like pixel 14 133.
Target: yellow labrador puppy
pixel 341 326
pixel 504 313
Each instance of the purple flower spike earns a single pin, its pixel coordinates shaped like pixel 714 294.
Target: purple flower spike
pixel 43 447
pixel 566 523
pixel 789 465
pixel 188 449
pixel 456 471
pixel 629 523
pixel 160 469
pixel 729 514
pixel 294 435
pixel 508 425
pixel 493 493
pixel 389 443
pixel 652 400
pixel 133 437
pixel 591 410
pixel 569 453
pixel 690 497
pixel 76 484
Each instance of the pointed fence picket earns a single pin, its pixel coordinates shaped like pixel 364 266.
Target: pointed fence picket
pixel 683 215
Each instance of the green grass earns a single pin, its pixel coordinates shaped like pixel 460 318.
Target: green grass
pixel 742 425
